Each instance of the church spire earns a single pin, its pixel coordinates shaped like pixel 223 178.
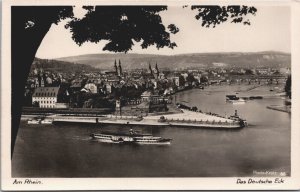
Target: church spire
pixel 120 68
pixel 116 68
pixel 150 68
pixel 156 68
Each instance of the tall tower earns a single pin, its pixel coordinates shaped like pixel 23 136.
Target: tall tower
pixel 120 68
pixel 115 66
pixel 150 69
pixel 157 71
pixel 118 108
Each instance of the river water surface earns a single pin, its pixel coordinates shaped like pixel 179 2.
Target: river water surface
pixel 67 151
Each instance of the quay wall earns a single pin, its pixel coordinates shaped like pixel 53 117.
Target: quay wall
pixel 80 111
pixel 213 122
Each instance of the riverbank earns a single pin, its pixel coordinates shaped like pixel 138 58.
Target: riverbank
pixel 282 108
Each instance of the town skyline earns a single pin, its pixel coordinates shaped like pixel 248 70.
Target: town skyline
pixel 193 60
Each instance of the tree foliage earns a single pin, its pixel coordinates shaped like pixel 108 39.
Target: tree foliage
pixel 122 26
pixel 214 15
pixel 44 13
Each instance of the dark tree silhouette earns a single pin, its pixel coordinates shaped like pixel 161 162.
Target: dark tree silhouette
pixel 214 15
pixel 29 25
pixel 120 25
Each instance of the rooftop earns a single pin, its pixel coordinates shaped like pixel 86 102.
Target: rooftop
pixel 46 92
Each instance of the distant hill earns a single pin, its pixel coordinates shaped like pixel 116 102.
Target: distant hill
pixel 193 60
pixel 61 66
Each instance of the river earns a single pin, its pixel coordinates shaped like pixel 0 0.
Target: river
pixel 67 151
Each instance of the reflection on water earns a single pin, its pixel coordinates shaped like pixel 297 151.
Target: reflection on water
pixel 67 150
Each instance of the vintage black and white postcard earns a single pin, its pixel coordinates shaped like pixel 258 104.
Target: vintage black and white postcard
pixel 127 95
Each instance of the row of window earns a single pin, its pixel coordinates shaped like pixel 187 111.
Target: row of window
pixel 50 102
pixel 44 98
pixel 45 94
pixel 47 106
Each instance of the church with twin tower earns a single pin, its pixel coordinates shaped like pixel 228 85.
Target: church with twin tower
pixel 154 72
pixel 118 69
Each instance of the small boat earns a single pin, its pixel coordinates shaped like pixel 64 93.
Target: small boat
pixel 255 97
pixel 132 137
pixel 231 97
pixel 234 99
pixel 34 121
pixel 239 101
pixel 47 121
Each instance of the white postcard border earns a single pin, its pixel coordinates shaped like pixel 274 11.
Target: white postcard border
pixel 207 183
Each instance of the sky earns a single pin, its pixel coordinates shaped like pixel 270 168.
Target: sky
pixel 270 30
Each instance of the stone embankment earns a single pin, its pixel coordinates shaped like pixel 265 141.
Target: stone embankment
pixel 185 118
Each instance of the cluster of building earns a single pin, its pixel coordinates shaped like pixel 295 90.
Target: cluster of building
pixel 148 89
pixel 50 89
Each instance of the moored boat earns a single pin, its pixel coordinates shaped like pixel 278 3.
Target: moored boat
pixel 255 97
pixel 234 99
pixel 34 121
pixel 239 101
pixel 46 121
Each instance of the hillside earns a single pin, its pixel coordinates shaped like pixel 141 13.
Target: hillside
pixel 61 66
pixel 193 60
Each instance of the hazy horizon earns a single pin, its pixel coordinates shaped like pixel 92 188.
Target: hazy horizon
pixel 229 52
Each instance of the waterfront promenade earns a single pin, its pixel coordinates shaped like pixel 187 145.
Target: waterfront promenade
pixel 183 118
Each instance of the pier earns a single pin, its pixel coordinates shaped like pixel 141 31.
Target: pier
pixel 185 119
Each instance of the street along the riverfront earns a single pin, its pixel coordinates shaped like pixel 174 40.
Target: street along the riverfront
pixel 66 150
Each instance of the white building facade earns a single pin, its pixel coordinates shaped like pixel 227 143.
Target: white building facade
pixel 46 97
